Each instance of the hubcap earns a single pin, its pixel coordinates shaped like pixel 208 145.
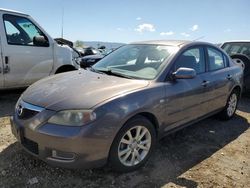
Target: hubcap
pixel 232 103
pixel 134 146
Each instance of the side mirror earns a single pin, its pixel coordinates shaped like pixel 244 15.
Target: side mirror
pixel 40 41
pixel 184 73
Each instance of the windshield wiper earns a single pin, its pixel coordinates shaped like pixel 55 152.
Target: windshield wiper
pixel 114 73
pixel 95 70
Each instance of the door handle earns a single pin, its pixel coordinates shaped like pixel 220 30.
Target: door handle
pixel 229 77
pixel 205 83
pixel 6 68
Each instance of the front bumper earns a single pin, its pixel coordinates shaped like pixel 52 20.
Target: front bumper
pixel 68 147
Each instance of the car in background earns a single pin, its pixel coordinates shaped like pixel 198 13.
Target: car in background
pixel 28 52
pixel 115 111
pixel 88 51
pixel 90 60
pixel 239 51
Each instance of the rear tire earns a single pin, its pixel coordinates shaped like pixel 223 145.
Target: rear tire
pixel 133 145
pixel 231 106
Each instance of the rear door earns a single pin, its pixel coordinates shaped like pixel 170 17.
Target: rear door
pixel 24 59
pixel 218 80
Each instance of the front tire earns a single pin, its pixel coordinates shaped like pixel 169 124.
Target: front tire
pixel 231 106
pixel 132 145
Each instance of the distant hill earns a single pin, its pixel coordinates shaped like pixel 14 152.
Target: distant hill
pixel 96 44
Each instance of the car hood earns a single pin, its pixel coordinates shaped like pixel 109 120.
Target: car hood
pixel 81 89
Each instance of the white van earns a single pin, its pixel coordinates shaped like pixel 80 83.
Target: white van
pixel 28 53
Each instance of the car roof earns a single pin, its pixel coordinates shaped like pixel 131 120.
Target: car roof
pixel 237 41
pixel 164 42
pixel 11 11
pixel 177 43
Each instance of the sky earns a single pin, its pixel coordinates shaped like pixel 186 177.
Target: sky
pixel 136 20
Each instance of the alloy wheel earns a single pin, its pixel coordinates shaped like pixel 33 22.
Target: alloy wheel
pixel 232 104
pixel 134 146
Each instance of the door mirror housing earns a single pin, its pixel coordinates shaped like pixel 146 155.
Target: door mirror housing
pixel 40 41
pixel 184 73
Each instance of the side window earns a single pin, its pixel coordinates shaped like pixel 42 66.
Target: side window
pixel 21 31
pixel 11 29
pixel 192 58
pixel 216 60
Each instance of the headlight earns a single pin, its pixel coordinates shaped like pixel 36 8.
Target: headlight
pixel 73 117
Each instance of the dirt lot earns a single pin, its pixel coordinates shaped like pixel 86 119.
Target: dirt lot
pixel 210 153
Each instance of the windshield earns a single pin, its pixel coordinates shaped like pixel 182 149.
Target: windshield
pixel 136 61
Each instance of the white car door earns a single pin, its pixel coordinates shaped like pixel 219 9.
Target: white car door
pixel 1 70
pixel 27 52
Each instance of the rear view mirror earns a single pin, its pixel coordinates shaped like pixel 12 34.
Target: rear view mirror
pixel 184 73
pixel 40 41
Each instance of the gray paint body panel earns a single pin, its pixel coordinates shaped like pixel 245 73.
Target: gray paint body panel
pixel 116 100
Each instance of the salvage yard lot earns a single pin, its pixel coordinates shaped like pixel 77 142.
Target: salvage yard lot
pixel 210 153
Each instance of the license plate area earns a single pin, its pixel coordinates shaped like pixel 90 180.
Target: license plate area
pixel 20 134
pixel 17 131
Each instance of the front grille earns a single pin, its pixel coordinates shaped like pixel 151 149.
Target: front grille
pixel 30 145
pixel 27 113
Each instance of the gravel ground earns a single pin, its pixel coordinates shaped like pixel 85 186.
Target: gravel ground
pixel 210 153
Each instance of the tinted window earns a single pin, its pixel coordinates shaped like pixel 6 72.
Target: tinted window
pixel 192 58
pixel 20 30
pixel 215 58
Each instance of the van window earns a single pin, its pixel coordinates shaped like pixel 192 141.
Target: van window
pixel 10 28
pixel 21 31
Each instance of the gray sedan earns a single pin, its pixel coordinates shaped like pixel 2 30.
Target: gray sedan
pixel 116 111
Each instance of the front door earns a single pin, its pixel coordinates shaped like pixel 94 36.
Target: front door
pixel 1 69
pixel 185 96
pixel 27 52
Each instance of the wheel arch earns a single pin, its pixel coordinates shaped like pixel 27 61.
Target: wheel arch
pixel 151 117
pixel 147 115
pixel 65 68
pixel 238 89
pixel 243 56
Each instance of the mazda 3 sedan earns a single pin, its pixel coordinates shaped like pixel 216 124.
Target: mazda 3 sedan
pixel 115 111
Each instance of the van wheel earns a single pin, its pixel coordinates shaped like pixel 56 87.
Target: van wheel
pixel 132 145
pixel 231 106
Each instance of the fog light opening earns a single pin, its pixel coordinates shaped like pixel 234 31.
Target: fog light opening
pixel 61 155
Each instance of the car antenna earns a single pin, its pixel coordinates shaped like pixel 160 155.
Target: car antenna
pixel 62 21
pixel 202 37
pixel 193 40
